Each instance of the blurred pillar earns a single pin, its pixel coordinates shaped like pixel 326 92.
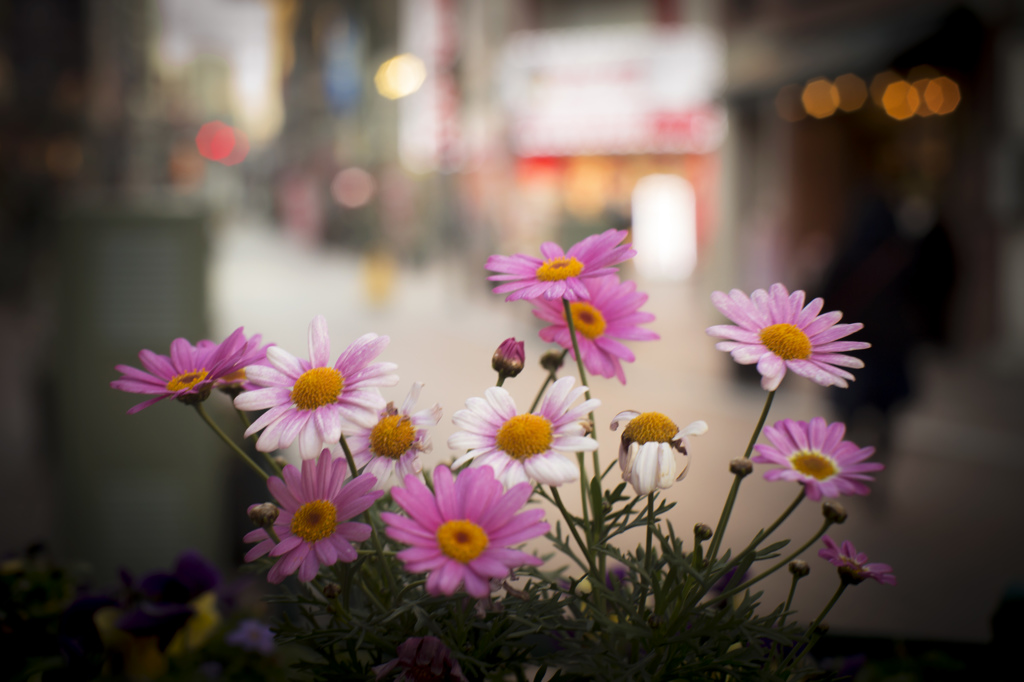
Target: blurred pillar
pixel 132 491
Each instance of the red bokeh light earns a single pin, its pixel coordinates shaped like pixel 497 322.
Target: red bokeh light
pixel 218 141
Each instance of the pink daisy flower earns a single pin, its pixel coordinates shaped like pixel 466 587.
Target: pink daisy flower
pixel 252 354
pixel 393 444
pixel 309 399
pixel 777 332
pixel 313 526
pixel 611 312
pixel 188 374
pixel 853 566
pixel 561 273
pixel 524 447
pixel 816 455
pixel 462 532
pixel 648 447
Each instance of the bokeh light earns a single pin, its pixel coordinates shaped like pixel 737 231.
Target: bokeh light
pixel 353 187
pixel 920 85
pixel 400 76
pixel 853 92
pixel 239 150
pixel 787 103
pixel 879 83
pixel 820 98
pixel 215 140
pixel 900 100
pixel 942 95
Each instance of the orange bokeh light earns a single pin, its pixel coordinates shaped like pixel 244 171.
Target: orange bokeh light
pixel 852 92
pixel 820 98
pixel 942 95
pixel 900 100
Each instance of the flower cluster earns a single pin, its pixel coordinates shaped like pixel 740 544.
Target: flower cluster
pixel 420 566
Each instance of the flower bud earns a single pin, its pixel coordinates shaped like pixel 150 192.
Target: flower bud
pixel 741 467
pixel 551 361
pixel 833 511
pixel 508 359
pixel 263 514
pixel 799 568
pixel 331 590
pixel 584 586
pixel 702 531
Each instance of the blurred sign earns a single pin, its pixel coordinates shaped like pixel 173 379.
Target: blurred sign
pixel 614 90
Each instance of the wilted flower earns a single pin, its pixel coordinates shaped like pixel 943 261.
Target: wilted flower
pixel 853 566
pixel 309 399
pixel 522 447
pixel 423 659
pixel 648 447
pixel 816 455
pixel 462 533
pixel 777 332
pixel 560 274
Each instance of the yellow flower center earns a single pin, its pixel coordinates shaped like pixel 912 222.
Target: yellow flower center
pixel 318 387
pixel 392 436
pixel 650 427
pixel 587 319
pixel 787 341
pixel 524 436
pixel 236 377
pixel 813 464
pixel 187 380
pixel 315 520
pixel 461 540
pixel 558 269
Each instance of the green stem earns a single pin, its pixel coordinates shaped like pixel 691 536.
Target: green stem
pixel 501 379
pixel 572 528
pixel 763 535
pixel 650 531
pixel 550 378
pixel 789 598
pixel 374 535
pixel 349 457
pixel 812 630
pixel 266 455
pixel 584 492
pixel 224 437
pixel 762 576
pixel 723 521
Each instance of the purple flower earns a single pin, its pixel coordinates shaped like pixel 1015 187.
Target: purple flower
pixel 522 447
pixel 423 659
pixel 560 274
pixel 816 455
pixel 252 635
pixel 313 527
pixel 610 315
pixel 309 399
pixel 853 566
pixel 463 532
pixel 189 373
pixel 777 332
